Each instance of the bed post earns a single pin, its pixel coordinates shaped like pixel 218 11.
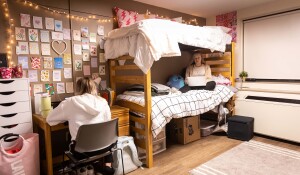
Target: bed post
pixel 232 63
pixel 148 132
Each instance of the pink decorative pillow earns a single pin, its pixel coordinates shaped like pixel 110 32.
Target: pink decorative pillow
pixel 125 18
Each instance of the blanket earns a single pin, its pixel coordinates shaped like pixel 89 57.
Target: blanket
pixel 149 40
pixel 194 102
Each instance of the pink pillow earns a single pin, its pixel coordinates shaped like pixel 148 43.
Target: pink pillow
pixel 125 18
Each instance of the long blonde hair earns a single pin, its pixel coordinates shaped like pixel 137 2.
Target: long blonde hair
pixel 86 85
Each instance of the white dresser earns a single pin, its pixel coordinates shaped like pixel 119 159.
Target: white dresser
pixel 15 106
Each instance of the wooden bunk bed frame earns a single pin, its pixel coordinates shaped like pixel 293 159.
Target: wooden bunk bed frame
pixel 219 65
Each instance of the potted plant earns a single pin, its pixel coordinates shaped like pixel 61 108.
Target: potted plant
pixel 243 75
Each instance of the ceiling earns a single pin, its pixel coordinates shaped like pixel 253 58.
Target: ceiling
pixel 204 8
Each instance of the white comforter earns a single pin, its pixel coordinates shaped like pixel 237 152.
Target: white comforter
pixel 194 102
pixel 149 40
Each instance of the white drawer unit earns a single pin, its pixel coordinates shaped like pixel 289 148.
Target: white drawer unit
pixel 15 106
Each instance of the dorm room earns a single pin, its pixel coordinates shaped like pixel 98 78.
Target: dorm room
pixel 62 60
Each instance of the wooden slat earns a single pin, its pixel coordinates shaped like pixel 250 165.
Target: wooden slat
pixel 141 143
pixel 137 119
pixel 220 69
pixel 126 67
pixel 225 74
pixel 218 62
pixel 137 130
pixel 232 64
pixel 129 79
pixel 125 57
pixel 132 106
pixel 222 66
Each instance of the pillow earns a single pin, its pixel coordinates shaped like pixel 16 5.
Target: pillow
pixel 125 18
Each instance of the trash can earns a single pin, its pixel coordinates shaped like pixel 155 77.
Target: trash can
pixel 240 127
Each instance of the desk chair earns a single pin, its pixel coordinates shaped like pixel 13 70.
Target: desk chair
pixel 94 141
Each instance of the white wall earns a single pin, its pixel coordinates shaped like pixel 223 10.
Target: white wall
pixel 268 8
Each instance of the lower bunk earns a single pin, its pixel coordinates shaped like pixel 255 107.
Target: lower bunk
pixel 175 106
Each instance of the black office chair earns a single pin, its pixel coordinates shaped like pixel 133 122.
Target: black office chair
pixel 92 140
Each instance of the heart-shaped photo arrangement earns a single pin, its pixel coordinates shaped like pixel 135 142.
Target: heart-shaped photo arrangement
pixel 56 46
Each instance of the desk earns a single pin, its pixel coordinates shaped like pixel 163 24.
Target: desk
pixel 38 121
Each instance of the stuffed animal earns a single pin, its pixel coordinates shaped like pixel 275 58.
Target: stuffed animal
pixel 176 81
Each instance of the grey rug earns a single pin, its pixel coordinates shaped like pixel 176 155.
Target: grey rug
pixel 252 158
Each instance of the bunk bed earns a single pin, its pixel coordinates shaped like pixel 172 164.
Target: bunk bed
pixel 149 40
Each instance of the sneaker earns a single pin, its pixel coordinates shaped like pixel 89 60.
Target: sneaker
pixel 82 171
pixel 90 170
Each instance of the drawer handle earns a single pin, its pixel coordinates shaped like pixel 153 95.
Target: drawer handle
pixel 8 104
pixel 9 115
pixel 7 82
pixel 9 126
pixel 7 93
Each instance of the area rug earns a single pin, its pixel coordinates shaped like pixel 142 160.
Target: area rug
pixel 252 158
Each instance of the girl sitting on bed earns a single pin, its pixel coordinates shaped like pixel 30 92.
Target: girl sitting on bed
pixel 199 68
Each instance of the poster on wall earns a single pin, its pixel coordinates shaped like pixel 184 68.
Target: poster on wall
pixel 34 48
pixel 78 65
pixel 32 75
pixel 35 62
pixel 69 87
pixel 100 30
pixel 37 22
pixel 93 37
pixel 49 23
pixel 45 75
pixel 60 88
pixel 23 60
pixel 85 43
pixel 58 26
pixel 94 62
pixel 67 34
pixel 57 36
pixel 49 88
pixel 77 49
pixel 85 56
pixel 37 88
pixel 86 70
pixel 68 73
pixel 76 35
pixel 20 34
pixel 93 50
pixel 67 58
pixel 45 49
pixel 85 32
pixel 48 63
pixel 33 35
pixel 25 20
pixel 22 48
pixel 102 69
pixel 58 63
pixel 56 75
pixel 45 36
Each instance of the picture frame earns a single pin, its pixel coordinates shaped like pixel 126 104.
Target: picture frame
pixel 3 60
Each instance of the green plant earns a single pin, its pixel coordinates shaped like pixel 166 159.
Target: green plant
pixel 243 74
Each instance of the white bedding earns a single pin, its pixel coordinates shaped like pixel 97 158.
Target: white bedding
pixel 149 40
pixel 191 103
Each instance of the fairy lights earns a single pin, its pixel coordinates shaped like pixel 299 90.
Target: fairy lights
pixel 191 21
pixel 10 33
pixel 102 19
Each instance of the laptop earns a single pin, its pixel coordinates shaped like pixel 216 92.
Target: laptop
pixel 196 81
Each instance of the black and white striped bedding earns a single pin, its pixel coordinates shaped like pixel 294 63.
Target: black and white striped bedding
pixel 191 103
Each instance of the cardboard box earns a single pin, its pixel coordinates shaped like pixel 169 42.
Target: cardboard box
pixel 185 130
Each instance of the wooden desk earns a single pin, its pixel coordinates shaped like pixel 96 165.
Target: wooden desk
pixel 38 121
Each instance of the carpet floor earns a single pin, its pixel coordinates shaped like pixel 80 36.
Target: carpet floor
pixel 252 158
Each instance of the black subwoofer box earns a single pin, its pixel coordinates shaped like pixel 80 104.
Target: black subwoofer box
pixel 240 127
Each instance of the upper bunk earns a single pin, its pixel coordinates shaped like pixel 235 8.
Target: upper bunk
pixel 149 40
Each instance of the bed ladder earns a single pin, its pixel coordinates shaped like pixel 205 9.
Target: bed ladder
pixel 144 79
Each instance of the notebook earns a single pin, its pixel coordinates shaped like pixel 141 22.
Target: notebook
pixel 196 81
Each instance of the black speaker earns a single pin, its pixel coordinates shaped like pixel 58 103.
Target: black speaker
pixel 240 127
pixel 3 60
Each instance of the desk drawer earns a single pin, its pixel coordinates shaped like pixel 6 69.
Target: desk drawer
pixel 124 130
pixel 13 96
pixel 14 85
pixel 16 129
pixel 12 118
pixel 15 107
pixel 123 119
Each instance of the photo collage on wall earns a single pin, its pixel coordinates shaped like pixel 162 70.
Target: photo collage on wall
pixel 42 48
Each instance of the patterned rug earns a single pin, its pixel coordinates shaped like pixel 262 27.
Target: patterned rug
pixel 252 158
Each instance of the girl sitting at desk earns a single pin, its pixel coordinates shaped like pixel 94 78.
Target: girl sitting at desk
pixel 84 108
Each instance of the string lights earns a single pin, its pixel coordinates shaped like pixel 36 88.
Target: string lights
pixel 10 33
pixel 102 19
pixel 191 21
